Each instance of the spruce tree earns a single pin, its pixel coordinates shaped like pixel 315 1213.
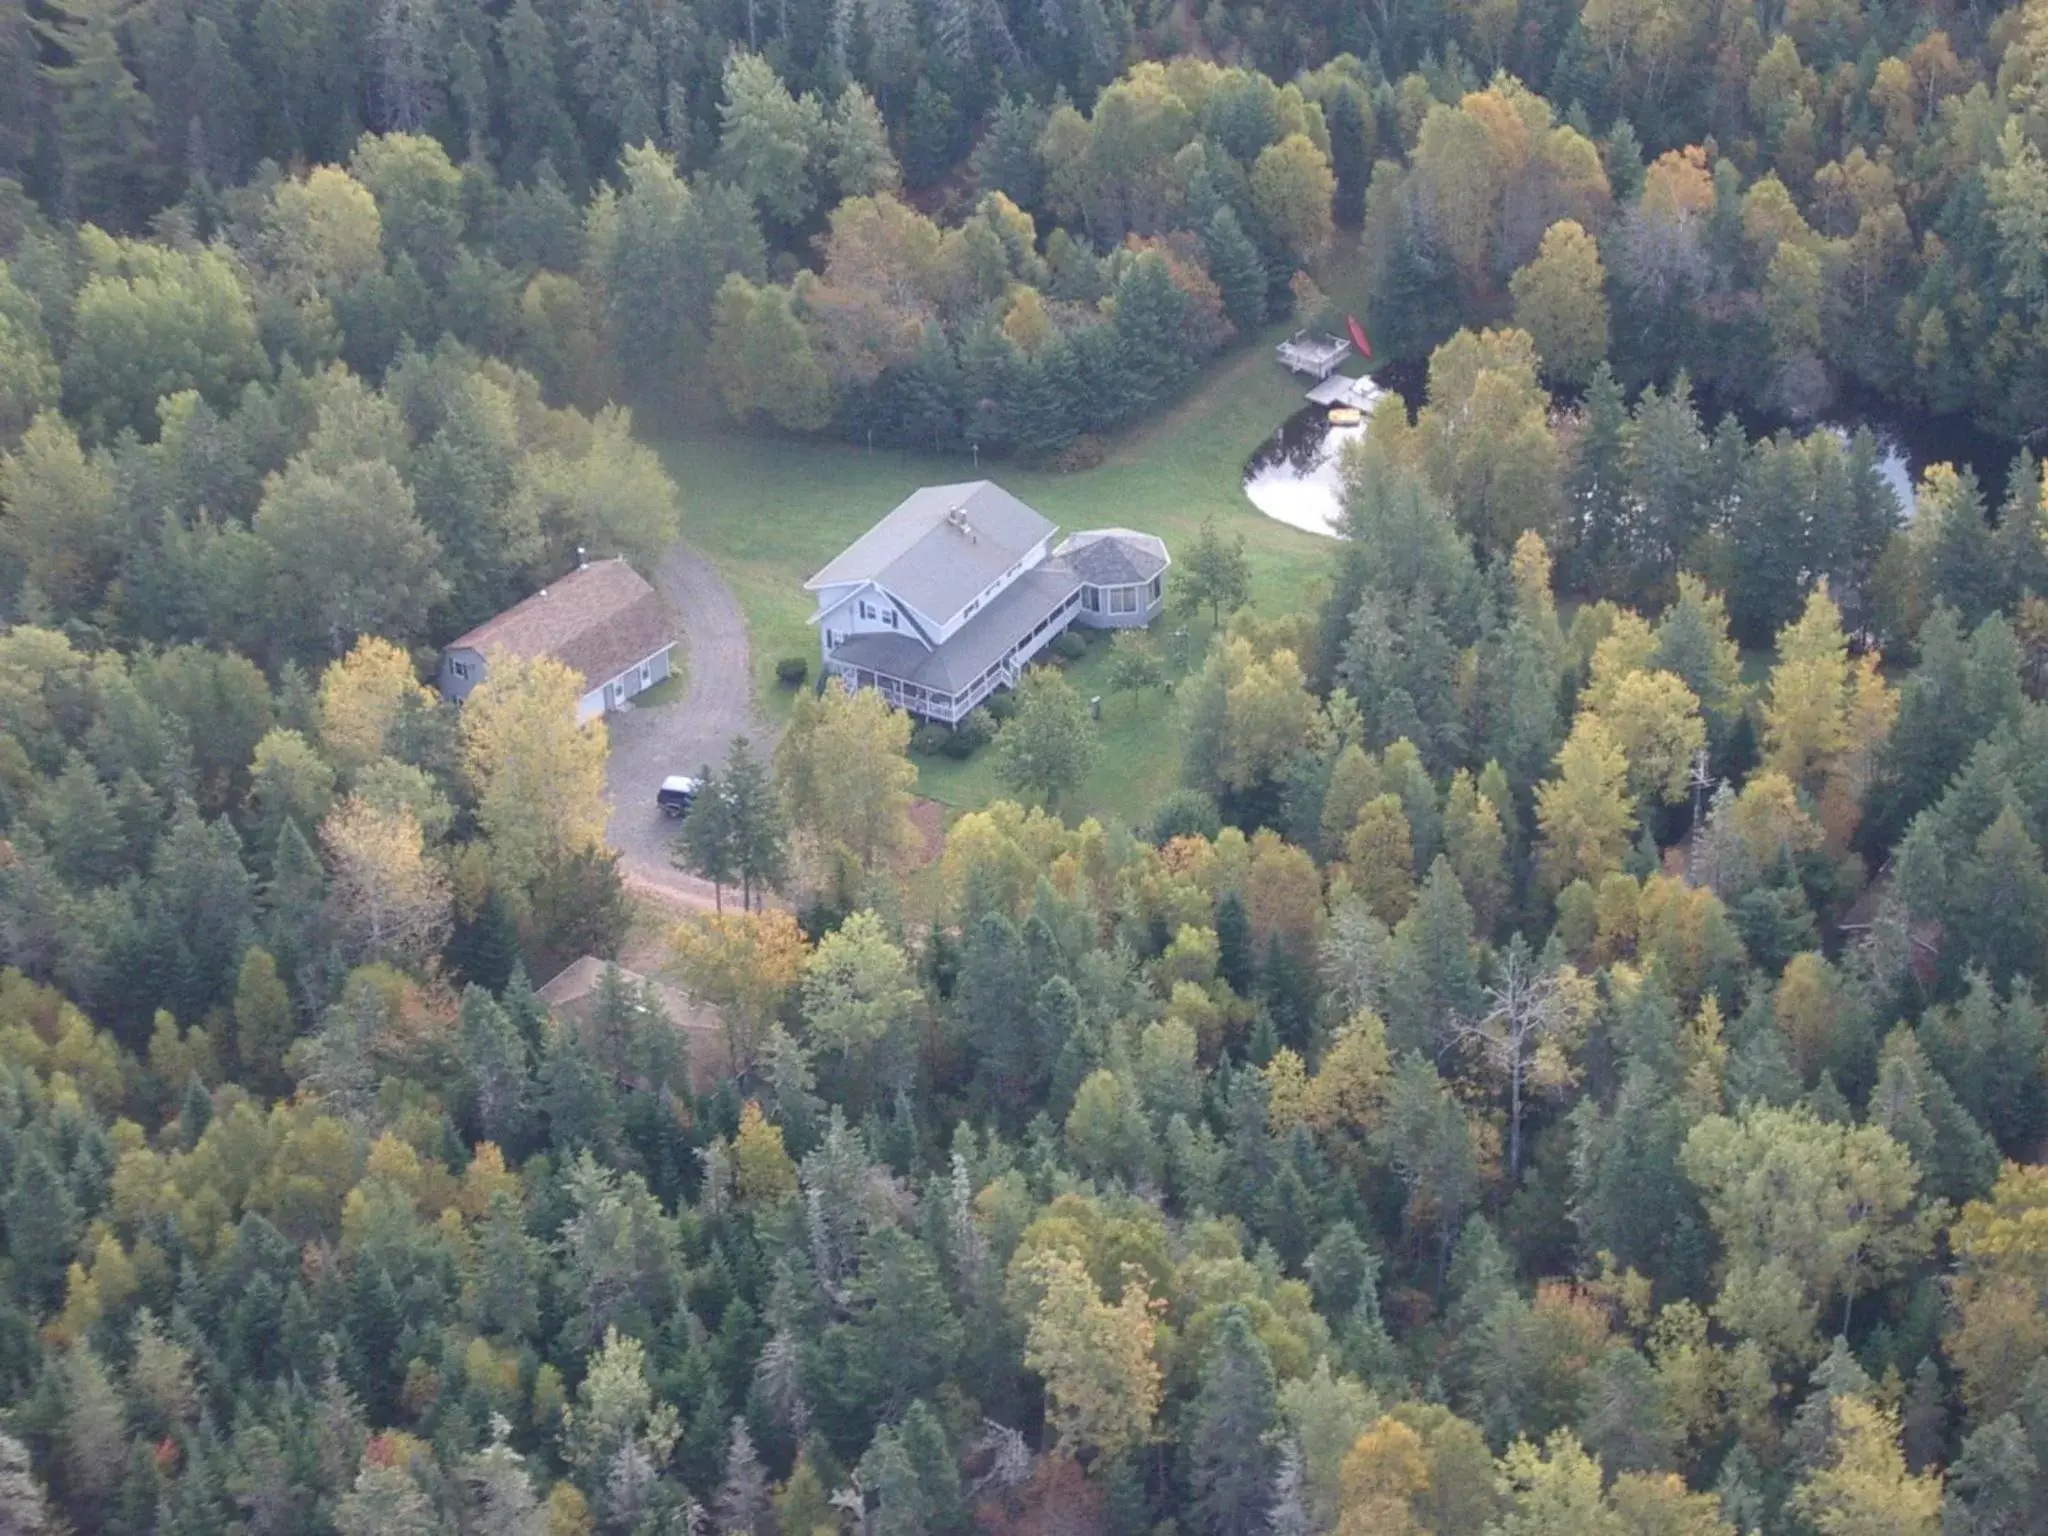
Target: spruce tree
pixel 759 828
pixel 41 1222
pixel 1237 270
pixel 1232 1461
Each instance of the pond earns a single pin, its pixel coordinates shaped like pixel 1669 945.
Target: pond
pixel 1297 476
pixel 1907 443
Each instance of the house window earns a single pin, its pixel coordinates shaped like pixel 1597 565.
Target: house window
pixel 1123 599
pixel 867 610
pixel 459 669
pixel 1155 589
pixel 646 673
pixel 889 617
pixel 1091 599
pixel 831 640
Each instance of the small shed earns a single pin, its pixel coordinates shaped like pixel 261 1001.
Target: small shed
pixel 1317 353
pixel 572 995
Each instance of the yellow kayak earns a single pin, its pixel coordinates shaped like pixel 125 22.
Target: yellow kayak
pixel 1345 416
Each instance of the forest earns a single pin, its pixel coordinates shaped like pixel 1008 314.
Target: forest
pixel 1570 1058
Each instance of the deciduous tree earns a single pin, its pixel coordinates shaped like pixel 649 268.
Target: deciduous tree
pixel 1102 1383
pixel 1586 815
pixel 1048 746
pixel 538 772
pixel 1560 300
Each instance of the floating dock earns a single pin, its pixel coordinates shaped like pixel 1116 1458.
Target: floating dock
pixel 1338 389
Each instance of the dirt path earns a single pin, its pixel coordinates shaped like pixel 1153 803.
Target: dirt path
pixel 647 745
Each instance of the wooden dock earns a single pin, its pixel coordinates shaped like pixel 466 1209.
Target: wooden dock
pixel 1316 354
pixel 1340 389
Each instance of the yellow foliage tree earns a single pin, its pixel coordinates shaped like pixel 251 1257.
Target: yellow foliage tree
pixel 1561 301
pixel 1349 1088
pixel 1806 1010
pixel 746 965
pixel 1826 715
pixel 1865 1489
pixel 386 896
pixel 362 697
pixel 846 778
pixel 1381 858
pixel 1102 1384
pixel 539 775
pixel 1585 812
pixel 1999 1329
pixel 1385 1471
pixel 1656 722
pixel 762 1170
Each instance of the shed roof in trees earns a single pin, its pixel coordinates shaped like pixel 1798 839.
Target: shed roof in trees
pixel 941 547
pixel 599 620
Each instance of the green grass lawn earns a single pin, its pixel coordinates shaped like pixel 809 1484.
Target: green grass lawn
pixel 669 690
pixel 1138 764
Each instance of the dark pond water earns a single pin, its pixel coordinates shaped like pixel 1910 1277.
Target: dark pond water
pixel 1296 476
pixel 1907 442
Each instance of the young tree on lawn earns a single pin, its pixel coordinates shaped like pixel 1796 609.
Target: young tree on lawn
pixel 1049 745
pixel 1133 662
pixel 1213 574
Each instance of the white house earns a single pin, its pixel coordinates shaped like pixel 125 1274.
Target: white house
pixel 952 594
pixel 602 620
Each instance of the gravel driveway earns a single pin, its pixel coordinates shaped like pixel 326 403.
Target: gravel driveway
pixel 647 745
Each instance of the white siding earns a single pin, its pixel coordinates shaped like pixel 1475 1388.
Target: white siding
pixel 641 675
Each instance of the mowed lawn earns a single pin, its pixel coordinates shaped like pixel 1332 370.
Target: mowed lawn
pixel 771 510
pixel 1139 760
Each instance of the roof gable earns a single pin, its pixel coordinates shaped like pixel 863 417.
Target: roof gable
pixel 940 547
pixel 598 620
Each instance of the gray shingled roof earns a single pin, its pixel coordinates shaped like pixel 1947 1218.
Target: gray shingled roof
pixel 599 620
pixel 1112 557
pixel 1011 615
pixel 919 554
